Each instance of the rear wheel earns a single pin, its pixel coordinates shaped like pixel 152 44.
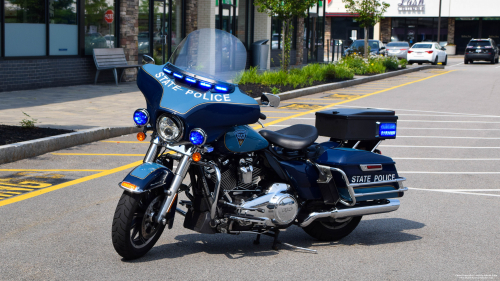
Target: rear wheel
pixel 134 230
pixel 435 61
pixel 332 231
pixel 466 62
pixel 496 60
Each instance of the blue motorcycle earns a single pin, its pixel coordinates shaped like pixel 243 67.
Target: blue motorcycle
pixel 236 180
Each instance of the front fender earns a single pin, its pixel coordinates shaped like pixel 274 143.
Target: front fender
pixel 147 176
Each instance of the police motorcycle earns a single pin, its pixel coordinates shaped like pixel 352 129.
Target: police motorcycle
pixel 234 179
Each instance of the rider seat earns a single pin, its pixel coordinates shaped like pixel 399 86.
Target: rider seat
pixel 295 137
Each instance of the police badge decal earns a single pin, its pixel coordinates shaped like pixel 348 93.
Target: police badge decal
pixel 241 135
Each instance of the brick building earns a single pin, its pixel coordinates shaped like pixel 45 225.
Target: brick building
pixel 47 43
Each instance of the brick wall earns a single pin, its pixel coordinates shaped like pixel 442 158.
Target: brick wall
pixel 191 15
pixel 206 14
pixel 42 73
pixel 129 29
pixel 385 30
pixel 328 33
pixel 451 30
pixel 299 54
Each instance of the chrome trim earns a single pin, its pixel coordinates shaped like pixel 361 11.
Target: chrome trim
pixel 393 205
pixel 326 177
pixel 143 110
pixel 375 147
pixel 180 149
pixel 381 192
pixel 364 167
pixel 199 130
pixel 259 220
pixel 356 145
pixel 179 175
pixel 152 151
pixel 216 191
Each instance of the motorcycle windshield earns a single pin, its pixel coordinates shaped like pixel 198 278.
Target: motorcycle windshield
pixel 211 53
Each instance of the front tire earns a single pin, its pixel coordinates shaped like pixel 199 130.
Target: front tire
pixel 332 231
pixel 134 231
pixel 445 60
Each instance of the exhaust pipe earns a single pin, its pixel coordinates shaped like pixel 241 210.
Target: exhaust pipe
pixel 393 205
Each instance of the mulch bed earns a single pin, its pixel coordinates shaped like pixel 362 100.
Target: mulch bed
pixel 13 134
pixel 256 90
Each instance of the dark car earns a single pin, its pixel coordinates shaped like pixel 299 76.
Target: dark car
pixel 357 48
pixel 481 49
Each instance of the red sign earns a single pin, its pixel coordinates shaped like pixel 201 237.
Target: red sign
pixel 109 16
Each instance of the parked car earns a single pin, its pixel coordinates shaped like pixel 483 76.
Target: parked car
pixel 275 39
pixel 481 49
pixel 110 40
pixel 398 49
pixel 427 52
pixel 357 47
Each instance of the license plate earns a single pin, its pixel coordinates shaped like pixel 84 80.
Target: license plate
pixel 393 51
pixel 419 54
pixel 478 51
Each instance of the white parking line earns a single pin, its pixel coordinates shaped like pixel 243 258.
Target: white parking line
pixel 431 146
pixel 456 129
pixel 448 159
pixel 442 137
pixel 448 115
pixel 456 64
pixel 456 192
pixel 468 114
pixel 439 121
pixel 449 173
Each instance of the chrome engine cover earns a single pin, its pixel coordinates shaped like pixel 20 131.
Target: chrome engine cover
pixel 276 206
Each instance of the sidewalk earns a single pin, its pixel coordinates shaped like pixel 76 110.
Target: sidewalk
pixel 74 107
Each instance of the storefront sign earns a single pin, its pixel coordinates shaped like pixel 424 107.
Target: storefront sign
pixel 109 16
pixel 411 6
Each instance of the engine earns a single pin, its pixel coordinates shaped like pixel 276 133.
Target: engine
pixel 251 202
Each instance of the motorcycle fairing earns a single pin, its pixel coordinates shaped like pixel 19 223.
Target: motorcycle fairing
pixel 148 176
pixel 242 139
pixel 213 112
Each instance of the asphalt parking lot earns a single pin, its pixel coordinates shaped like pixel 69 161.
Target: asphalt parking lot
pixel 57 208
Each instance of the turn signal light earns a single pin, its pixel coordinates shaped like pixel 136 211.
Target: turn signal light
pixel 141 136
pixel 128 185
pixel 196 156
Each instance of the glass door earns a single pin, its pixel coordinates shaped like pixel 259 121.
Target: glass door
pixel 160 31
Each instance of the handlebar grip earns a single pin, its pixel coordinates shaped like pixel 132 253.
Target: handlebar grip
pixel 263 116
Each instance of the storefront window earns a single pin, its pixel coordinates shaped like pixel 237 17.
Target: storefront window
pixel 98 33
pixel 425 30
pixel 398 29
pixel 143 36
pixel 63 29
pixel 25 28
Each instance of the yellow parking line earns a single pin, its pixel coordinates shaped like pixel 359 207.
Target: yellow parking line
pixel 279 111
pixel 96 154
pixel 300 102
pixel 146 142
pixel 66 184
pixel 346 101
pixel 49 170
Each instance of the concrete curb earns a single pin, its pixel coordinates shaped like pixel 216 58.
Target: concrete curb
pixel 27 149
pixel 338 85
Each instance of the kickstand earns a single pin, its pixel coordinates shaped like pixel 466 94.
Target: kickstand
pixel 276 242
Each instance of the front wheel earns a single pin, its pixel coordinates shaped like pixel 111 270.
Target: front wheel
pixel 332 231
pixel 135 230
pixel 445 60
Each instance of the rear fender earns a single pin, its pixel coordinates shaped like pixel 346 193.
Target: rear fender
pixel 146 177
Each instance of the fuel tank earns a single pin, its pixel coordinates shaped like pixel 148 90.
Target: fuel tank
pixel 214 112
pixel 241 139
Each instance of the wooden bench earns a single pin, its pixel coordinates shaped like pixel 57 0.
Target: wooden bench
pixel 111 58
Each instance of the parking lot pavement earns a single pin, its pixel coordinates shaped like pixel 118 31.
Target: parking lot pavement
pixel 446 228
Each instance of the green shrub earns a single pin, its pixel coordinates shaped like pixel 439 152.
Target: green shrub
pixel 356 63
pixel 403 63
pixel 391 63
pixel 343 72
pixel 249 76
pixel 376 66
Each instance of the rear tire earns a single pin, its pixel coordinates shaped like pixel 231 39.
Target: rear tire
pixel 435 61
pixel 496 60
pixel 466 62
pixel 133 232
pixel 332 231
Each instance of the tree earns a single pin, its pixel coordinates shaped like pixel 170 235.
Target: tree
pixel 368 12
pixel 285 10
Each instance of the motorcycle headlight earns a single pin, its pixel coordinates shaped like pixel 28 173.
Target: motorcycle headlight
pixel 169 128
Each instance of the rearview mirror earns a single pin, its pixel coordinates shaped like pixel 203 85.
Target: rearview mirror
pixel 147 59
pixel 270 100
pixel 443 48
